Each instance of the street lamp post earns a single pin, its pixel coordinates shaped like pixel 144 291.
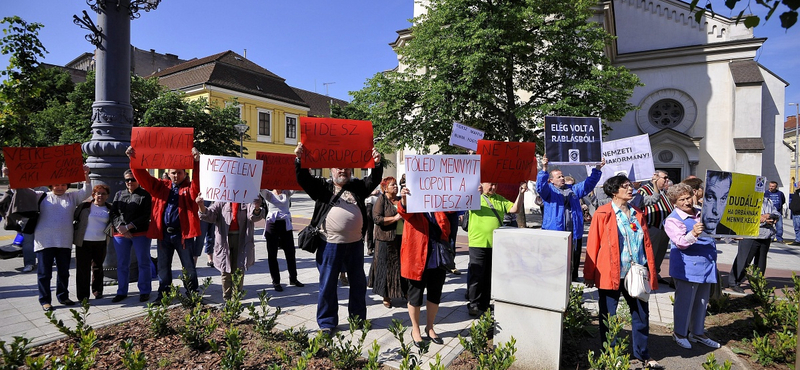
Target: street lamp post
pixel 796 135
pixel 241 128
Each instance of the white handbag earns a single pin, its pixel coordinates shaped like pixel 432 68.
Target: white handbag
pixel 637 280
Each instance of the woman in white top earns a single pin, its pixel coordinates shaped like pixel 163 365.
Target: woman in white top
pixel 278 232
pixel 53 239
pixel 91 238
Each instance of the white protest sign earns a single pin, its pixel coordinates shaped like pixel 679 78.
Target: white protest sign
pixel 230 179
pixel 630 156
pixel 465 137
pixel 443 182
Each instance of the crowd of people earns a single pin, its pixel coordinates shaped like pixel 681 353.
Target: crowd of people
pixel 630 223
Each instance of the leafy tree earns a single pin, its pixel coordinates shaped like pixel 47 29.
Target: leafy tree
pixel 28 86
pixel 499 66
pixel 788 17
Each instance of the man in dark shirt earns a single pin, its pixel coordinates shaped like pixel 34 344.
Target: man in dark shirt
pixel 778 200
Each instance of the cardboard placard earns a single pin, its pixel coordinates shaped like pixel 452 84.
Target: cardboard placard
pixel 465 137
pixel 573 140
pixel 278 171
pixel 630 156
pixel 443 182
pixel 162 147
pixel 229 179
pixel 732 204
pixel 336 143
pixel 32 167
pixel 506 162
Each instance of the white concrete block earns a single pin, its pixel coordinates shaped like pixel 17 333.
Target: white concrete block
pixel 537 334
pixel 530 267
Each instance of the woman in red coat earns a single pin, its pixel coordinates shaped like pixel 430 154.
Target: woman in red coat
pixel 419 231
pixel 618 235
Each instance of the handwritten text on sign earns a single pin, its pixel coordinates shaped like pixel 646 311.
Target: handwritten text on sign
pixel 465 137
pixel 504 162
pixel 229 179
pixel 32 167
pixel 573 140
pixel 162 147
pixel 443 182
pixel 336 143
pixel 278 171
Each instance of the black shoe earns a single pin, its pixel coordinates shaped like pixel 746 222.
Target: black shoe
pixel 118 298
pixel 736 289
pixel 210 263
pixel 296 283
pixel 664 281
pixel 278 287
pixel 67 302
pixel 144 297
pixel 47 307
pixel 474 312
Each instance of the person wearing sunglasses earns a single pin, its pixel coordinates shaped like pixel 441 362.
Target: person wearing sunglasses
pixel 130 219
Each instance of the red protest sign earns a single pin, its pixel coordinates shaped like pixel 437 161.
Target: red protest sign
pixel 162 147
pixel 508 191
pixel 278 171
pixel 339 143
pixel 32 167
pixel 505 162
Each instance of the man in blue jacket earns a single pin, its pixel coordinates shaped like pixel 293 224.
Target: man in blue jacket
pixel 562 206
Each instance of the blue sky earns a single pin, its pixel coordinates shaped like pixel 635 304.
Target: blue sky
pixel 307 42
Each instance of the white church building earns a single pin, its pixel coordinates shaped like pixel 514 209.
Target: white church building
pixel 706 103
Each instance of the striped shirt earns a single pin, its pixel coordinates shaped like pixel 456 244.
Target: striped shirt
pixel 656 214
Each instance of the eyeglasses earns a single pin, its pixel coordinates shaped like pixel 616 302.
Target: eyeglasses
pixel 130 180
pixel 626 186
pixel 99 194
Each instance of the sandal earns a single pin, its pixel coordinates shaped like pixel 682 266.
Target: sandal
pixel 652 364
pixel 387 303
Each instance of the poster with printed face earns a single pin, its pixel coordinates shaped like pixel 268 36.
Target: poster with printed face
pixel 732 204
pixel 573 140
pixel 229 179
pixel 162 147
pixel 630 156
pixel 336 143
pixel 278 171
pixel 443 183
pixel 32 167
pixel 507 162
pixel 465 137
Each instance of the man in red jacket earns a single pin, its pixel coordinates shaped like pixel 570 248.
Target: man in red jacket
pixel 173 219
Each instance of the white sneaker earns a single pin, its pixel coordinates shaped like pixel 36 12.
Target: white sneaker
pixel 683 342
pixel 705 341
pixel 27 268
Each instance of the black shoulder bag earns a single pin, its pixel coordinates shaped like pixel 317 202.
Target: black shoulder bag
pixel 310 238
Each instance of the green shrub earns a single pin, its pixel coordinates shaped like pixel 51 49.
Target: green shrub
pixel 233 308
pixel 233 357
pixel 16 352
pixel 132 359
pixel 81 328
pixel 479 333
pixel 263 319
pixel 577 317
pixel 614 355
pixel 197 329
pixel 500 359
pixel 711 363
pixel 158 314
pixel 345 352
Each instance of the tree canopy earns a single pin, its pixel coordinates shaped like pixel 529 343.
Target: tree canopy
pixel 788 15
pixel 499 66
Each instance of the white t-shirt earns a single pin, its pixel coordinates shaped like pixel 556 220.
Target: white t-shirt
pixel 96 225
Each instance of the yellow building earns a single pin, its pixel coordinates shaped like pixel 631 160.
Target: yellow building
pixel 270 107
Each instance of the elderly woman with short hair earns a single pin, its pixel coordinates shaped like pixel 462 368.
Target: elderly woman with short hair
pixel 692 266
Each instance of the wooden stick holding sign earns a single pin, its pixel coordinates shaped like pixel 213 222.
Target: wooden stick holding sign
pixel 336 143
pixel 507 162
pixel 573 140
pixel 230 179
pixel 32 167
pixel 443 182
pixel 278 171
pixel 162 147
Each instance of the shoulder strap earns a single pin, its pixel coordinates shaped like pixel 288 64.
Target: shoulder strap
pixel 324 213
pixel 493 210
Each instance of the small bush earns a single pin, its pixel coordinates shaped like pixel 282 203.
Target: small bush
pixel 81 328
pixel 263 319
pixel 198 327
pixel 14 356
pixel 500 359
pixel 132 359
pixel 711 364
pixel 233 308
pixel 577 318
pixel 158 314
pixel 345 352
pixel 615 349
pixel 479 333
pixel 233 357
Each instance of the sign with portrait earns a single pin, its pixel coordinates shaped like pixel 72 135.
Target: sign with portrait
pixel 732 204
pixel 573 140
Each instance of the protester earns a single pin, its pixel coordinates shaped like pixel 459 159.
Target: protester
pixel 755 250
pixel 173 220
pixel 697 190
pixel 370 235
pixel 278 232
pixel 234 246
pixel 617 237
pixel 794 206
pixel 778 200
pixel 562 206
pixel 30 202
pixel 91 238
pixel 53 242
pixel 693 267
pixel 130 217
pixel 204 243
pixel 387 281
pixel 482 223
pixel 718 185
pixel 344 229
pixel 419 265
pixel 656 208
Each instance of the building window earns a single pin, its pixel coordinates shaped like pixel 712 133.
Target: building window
pixel 666 113
pixel 264 125
pixel 317 172
pixel 291 129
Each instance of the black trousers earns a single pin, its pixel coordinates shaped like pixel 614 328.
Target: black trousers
pixel 279 238
pixel 577 249
pixel 479 285
pixel 89 268
pixel 750 251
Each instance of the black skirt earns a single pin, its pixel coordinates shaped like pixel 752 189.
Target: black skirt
pixel 385 272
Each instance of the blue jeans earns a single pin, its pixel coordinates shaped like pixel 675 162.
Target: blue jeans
pixel 205 241
pixel 779 229
pixel 169 245
pixel 640 323
pixel 331 258
pixel 62 256
pixel 28 255
pixel 796 222
pixel 141 246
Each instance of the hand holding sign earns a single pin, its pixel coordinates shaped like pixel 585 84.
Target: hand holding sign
pixel 336 143
pixel 31 167
pixel 162 147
